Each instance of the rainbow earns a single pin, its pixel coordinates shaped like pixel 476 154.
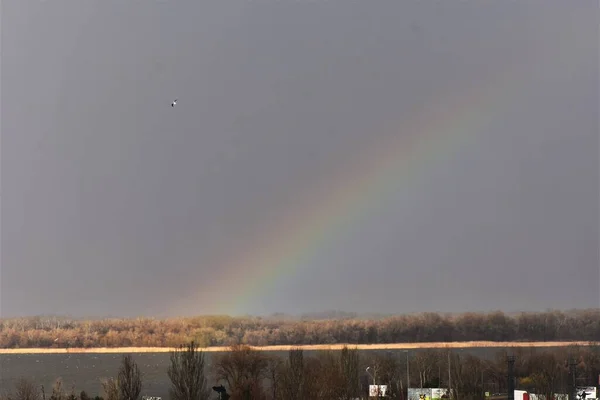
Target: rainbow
pixel 434 134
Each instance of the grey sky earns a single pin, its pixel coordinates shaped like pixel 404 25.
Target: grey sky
pixel 115 203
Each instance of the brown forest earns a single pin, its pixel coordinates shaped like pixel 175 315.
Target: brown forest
pixel 61 332
pixel 328 375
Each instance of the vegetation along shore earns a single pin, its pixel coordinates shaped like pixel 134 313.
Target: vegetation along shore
pixel 214 333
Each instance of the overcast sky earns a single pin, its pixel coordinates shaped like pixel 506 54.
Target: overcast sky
pixel 250 195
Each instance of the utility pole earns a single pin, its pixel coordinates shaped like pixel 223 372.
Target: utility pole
pixel 511 377
pixel 482 386
pixel 450 376
pixel 572 380
pixel 374 376
pixel 407 372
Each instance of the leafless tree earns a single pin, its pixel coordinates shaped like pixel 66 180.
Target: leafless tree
pixel 58 391
pixel 26 390
pixel 243 369
pixel 72 395
pixel 425 364
pixel 328 381
pixel 111 389
pixel 311 378
pixel 388 372
pixel 129 379
pixel 275 371
pixel 546 373
pixel 466 377
pixel 349 365
pixel 186 372
pixel 591 363
pixel 292 386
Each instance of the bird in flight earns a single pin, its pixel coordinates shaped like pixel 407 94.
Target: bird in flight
pixel 173 103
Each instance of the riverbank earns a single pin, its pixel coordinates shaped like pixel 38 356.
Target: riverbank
pixel 380 346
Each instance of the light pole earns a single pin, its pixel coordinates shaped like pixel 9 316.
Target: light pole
pixel 485 368
pixel 372 377
pixel 572 372
pixel 407 372
pixel 511 377
pixel 449 375
pixel 482 385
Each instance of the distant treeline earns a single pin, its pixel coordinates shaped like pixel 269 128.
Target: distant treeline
pixel 46 332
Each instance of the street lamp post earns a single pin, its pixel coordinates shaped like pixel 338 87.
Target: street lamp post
pixel 373 377
pixel 407 371
pixel 482 386
pixel 449 375
pixel 572 380
pixel 511 376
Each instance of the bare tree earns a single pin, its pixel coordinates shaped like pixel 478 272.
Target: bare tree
pixel 129 379
pixel 293 375
pixel 311 378
pixel 466 376
pixel 275 371
pixel 591 363
pixel 186 372
pixel 328 381
pixel 546 373
pixel 387 371
pixel 57 390
pixel 72 395
pixel 349 370
pixel 111 389
pixel 243 369
pixel 26 390
pixel 426 365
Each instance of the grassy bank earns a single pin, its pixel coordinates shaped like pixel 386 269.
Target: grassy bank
pixel 339 346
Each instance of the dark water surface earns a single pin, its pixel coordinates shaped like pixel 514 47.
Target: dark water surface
pixel 85 371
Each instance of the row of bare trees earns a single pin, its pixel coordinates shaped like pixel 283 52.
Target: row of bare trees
pixel 186 372
pixel 247 374
pixel 581 325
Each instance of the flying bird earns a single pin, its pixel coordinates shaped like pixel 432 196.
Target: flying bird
pixel 173 103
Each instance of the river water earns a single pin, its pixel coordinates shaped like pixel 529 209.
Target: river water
pixel 85 371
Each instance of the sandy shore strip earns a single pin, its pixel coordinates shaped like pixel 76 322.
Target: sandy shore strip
pixel 381 346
